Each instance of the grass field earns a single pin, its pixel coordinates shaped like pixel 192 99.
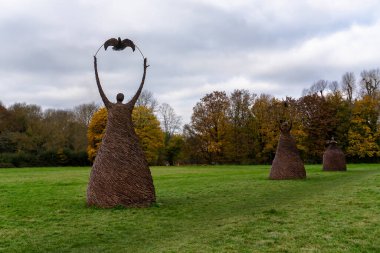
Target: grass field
pixel 199 209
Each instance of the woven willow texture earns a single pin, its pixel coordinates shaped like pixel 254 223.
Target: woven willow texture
pixel 287 163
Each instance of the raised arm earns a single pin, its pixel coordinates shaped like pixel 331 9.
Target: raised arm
pixel 106 102
pixel 136 96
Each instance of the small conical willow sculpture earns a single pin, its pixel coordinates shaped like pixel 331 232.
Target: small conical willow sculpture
pixel 120 175
pixel 287 163
pixel 334 158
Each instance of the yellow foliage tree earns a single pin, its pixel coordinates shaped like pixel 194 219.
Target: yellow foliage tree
pixel 147 128
pixel 95 132
pixel 364 136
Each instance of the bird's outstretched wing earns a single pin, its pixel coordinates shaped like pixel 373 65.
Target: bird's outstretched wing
pixel 110 42
pixel 128 43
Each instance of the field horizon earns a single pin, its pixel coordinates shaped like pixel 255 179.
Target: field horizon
pixel 225 208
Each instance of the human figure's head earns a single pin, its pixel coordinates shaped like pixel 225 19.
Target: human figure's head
pixel 120 97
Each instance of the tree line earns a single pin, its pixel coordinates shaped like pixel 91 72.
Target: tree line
pixel 243 127
pixel 30 136
pixel 237 128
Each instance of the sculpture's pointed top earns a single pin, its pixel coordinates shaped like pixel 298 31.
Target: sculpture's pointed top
pixel 285 127
pixel 332 141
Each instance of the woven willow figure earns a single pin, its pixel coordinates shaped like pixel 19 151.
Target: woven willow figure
pixel 120 175
pixel 287 163
pixel 334 158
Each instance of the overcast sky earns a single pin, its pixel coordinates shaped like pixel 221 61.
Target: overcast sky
pixel 193 46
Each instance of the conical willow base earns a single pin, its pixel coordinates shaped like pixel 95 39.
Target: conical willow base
pixel 334 158
pixel 287 163
pixel 120 174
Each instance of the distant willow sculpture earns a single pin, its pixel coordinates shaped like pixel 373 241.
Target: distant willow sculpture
pixel 287 163
pixel 120 175
pixel 334 158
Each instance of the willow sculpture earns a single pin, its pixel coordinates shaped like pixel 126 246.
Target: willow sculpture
pixel 120 175
pixel 334 158
pixel 287 163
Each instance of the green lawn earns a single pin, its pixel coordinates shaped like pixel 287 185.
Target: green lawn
pixel 199 209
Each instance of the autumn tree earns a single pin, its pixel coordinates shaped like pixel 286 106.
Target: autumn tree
pixel 318 122
pixel 266 117
pixel 59 129
pixel 364 135
pixel 342 111
pixel 170 121
pixel 208 123
pixel 370 82
pixel 334 87
pixel 95 132
pixel 24 126
pixel 84 112
pixel 171 124
pixel 3 117
pixel 30 136
pixel 194 147
pixel 174 149
pixel 148 130
pixel 319 87
pixel 20 135
pixel 82 116
pixel 7 145
pixel 64 136
pixel 239 134
pixel 348 85
pixel 147 99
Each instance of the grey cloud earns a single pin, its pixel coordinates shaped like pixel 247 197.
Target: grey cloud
pixel 48 47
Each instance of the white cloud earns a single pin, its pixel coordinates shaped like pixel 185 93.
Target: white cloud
pixel 356 47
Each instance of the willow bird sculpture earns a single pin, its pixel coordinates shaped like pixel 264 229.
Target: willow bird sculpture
pixel 118 44
pixel 287 163
pixel 120 175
